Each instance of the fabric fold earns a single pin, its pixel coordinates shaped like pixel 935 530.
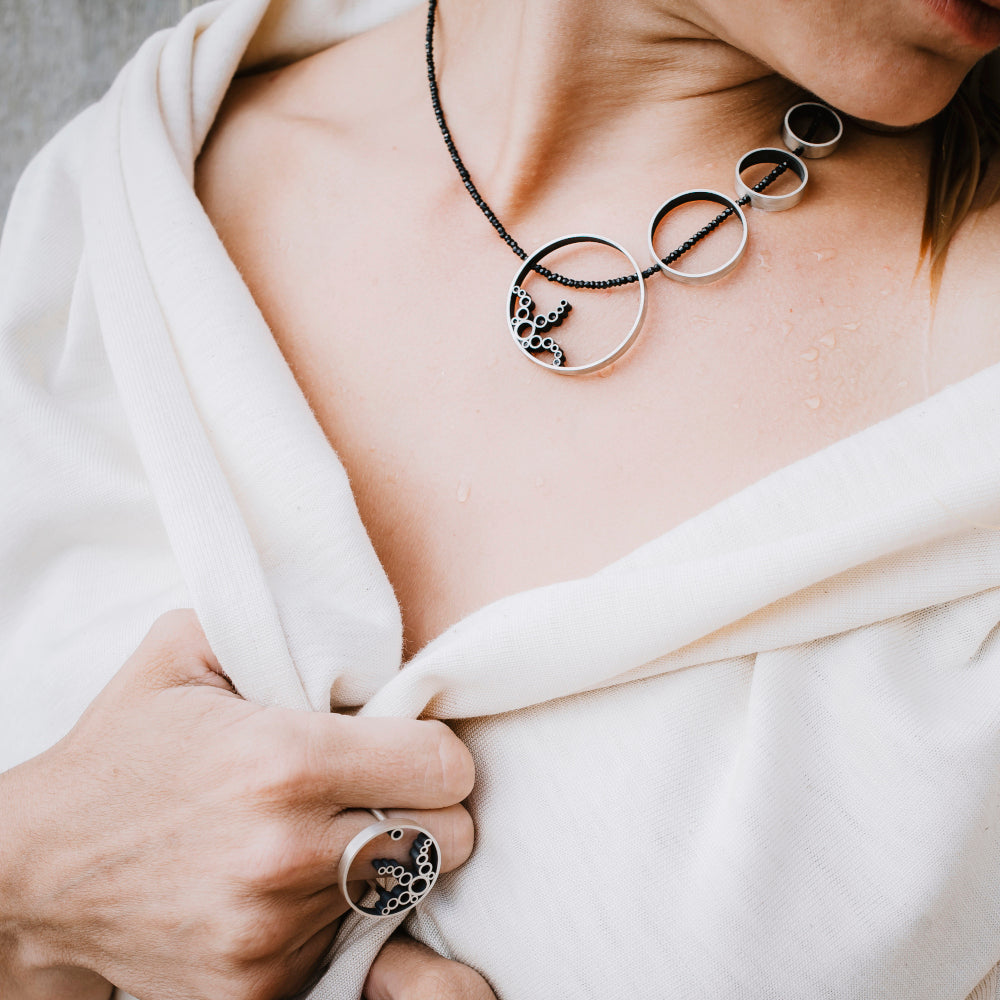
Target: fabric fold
pixel 758 756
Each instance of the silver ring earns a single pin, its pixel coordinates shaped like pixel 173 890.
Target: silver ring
pixel 400 887
pixel 701 277
pixel 812 150
pixel 771 202
pixel 520 312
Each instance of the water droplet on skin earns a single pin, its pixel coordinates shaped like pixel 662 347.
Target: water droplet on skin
pixel 902 383
pixel 764 262
pixel 811 355
pixel 786 328
pixel 813 402
pixel 464 489
pixel 852 326
pixel 813 376
pixel 827 253
pixel 828 340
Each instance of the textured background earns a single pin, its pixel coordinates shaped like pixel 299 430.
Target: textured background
pixel 56 57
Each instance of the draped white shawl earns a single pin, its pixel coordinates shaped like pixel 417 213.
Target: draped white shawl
pixel 759 757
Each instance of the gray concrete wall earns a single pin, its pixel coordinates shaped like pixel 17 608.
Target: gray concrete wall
pixel 56 57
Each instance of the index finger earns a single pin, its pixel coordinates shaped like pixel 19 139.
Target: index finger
pixel 386 763
pixel 406 969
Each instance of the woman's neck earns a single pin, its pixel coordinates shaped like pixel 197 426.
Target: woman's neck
pixel 543 93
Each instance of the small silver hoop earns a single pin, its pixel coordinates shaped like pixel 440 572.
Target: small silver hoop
pixel 425 857
pixel 701 277
pixel 516 298
pixel 812 150
pixel 771 202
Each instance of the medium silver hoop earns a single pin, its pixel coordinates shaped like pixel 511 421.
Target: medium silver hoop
pixel 771 202
pixel 531 333
pixel 701 277
pixel 812 150
pixel 400 887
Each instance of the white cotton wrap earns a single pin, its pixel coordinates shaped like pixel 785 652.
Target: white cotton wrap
pixel 757 758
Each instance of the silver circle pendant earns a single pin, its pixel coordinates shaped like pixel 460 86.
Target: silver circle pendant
pixel 801 145
pixel 685 198
pixel 399 886
pixel 776 157
pixel 531 330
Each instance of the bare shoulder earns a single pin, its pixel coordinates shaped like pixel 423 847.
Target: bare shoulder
pixel 974 259
pixel 281 135
pixel 965 337
pixel 265 124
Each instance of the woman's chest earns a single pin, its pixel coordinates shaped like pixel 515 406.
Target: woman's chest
pixel 477 474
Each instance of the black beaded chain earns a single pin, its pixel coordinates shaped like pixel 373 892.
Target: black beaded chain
pixel 561 279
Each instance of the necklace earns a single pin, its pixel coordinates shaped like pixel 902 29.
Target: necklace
pixel 531 331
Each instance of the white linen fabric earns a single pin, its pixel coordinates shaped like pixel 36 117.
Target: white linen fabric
pixel 758 757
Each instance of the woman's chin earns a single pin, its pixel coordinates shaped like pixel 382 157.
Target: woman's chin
pixel 895 112
pixel 894 90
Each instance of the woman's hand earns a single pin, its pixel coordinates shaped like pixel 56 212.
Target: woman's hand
pixel 183 843
pixel 406 970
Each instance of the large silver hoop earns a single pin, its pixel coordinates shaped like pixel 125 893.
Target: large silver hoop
pixel 686 197
pixel 771 202
pixel 401 886
pixel 801 146
pixel 530 332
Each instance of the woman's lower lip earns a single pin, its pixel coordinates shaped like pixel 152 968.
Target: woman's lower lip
pixel 977 23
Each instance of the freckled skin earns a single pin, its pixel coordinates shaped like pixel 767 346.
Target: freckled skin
pixel 388 299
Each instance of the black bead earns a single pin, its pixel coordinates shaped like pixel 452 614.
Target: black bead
pixel 463 173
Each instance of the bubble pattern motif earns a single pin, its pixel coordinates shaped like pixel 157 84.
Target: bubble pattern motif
pixel 411 883
pixel 530 329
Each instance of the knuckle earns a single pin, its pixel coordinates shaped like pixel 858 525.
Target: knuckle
pixel 447 981
pixel 175 651
pixel 282 778
pixel 270 982
pixel 300 973
pixel 273 859
pixel 469 984
pixel 179 623
pixel 452 769
pixel 463 837
pixel 279 769
pixel 260 987
pixel 252 936
pixel 244 985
